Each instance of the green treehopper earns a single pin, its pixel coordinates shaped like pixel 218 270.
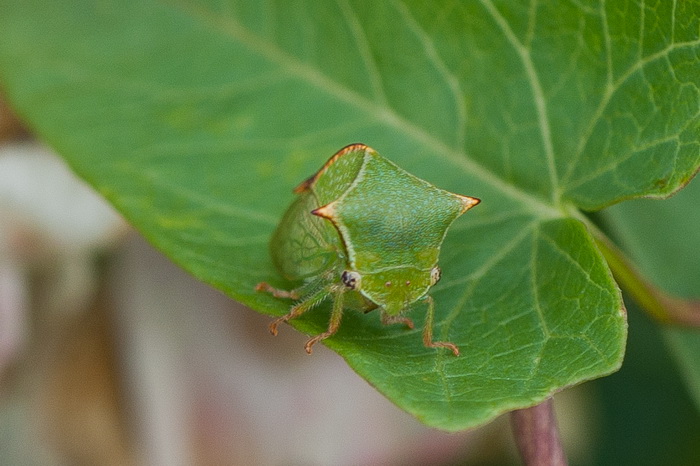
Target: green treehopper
pixel 367 234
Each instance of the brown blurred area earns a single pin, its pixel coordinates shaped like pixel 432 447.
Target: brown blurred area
pixel 60 396
pixel 11 128
pixel 79 400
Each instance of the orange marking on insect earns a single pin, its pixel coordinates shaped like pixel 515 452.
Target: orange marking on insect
pixel 309 182
pixel 305 185
pixel 326 211
pixel 468 202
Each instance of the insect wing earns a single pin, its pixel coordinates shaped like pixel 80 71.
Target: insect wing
pixel 304 245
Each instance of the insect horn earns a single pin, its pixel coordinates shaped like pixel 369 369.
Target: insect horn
pixel 326 211
pixel 468 202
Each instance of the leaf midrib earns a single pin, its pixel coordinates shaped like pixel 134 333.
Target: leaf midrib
pixel 231 28
pixel 537 96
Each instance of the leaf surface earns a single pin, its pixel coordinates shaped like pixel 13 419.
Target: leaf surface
pixel 196 119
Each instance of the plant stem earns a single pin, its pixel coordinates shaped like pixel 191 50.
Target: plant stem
pixel 537 436
pixel 659 305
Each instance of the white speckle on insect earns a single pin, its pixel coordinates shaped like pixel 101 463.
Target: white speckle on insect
pixel 435 275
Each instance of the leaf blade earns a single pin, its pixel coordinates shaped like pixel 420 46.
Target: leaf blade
pixel 196 120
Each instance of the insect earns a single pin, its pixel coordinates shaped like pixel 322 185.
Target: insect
pixel 367 234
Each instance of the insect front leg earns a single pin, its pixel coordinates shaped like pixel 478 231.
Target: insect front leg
pixel 428 330
pixel 309 302
pixel 336 314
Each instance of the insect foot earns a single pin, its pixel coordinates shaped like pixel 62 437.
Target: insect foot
pixel 314 340
pixel 444 344
pixel 273 325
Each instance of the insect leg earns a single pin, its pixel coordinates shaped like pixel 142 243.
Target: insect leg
pixel 388 320
pixel 336 315
pixel 276 292
pixel 298 309
pixel 428 330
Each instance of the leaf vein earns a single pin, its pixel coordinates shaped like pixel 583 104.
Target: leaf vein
pixel 207 201
pixel 577 265
pixel 533 282
pixel 608 46
pixel 607 96
pixel 537 95
pixel 479 273
pixel 448 76
pixel 363 46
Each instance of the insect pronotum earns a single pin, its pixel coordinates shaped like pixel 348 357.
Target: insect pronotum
pixel 366 234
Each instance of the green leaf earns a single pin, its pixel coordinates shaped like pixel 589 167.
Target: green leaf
pixel 196 119
pixel 664 239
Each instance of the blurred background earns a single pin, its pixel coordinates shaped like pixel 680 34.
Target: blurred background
pixel 111 355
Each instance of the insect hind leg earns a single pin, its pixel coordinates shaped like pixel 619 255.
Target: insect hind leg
pixel 308 288
pixel 276 292
pixel 428 330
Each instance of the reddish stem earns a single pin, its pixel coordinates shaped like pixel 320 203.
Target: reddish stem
pixel 537 436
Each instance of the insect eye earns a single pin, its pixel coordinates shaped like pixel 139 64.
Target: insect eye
pixel 350 279
pixel 435 275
